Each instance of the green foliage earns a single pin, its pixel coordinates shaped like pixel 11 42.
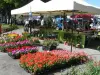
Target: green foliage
pixel 7 5
pixel 36 41
pixel 10 28
pixel 2 49
pixel 2 3
pixel 13 26
pixel 98 48
pixel 17 3
pixel 72 37
pixel 26 34
pixel 64 36
pixel 89 69
pixel 50 42
pixel 48 22
pixel 61 36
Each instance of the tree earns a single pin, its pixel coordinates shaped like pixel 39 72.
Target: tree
pixel 17 3
pixel 7 5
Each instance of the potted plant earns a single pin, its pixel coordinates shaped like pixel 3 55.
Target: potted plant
pixel 50 45
pixel 53 45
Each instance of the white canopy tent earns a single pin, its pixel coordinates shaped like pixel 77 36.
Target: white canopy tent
pixel 38 6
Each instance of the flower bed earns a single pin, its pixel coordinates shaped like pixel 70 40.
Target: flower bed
pixel 5 46
pixel 41 62
pixel 17 52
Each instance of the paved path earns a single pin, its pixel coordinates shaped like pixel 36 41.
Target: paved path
pixel 9 66
pixel 19 31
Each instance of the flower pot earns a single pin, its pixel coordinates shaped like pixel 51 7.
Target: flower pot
pixel 14 56
pixel 52 47
pixel 45 48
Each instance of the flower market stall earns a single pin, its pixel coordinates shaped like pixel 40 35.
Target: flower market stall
pixel 41 62
pixel 26 49
pixel 57 5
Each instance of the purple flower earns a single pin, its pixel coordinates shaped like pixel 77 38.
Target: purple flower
pixel 14 52
pixel 26 50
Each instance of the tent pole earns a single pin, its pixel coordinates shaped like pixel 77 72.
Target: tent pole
pixel 82 22
pixel 11 20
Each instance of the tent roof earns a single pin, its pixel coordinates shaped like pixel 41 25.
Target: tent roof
pixel 37 6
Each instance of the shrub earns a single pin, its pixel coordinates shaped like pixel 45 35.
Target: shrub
pixel 10 28
pixel 91 68
pixel 13 26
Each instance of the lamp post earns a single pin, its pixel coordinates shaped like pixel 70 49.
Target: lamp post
pixel 72 30
pixel 30 21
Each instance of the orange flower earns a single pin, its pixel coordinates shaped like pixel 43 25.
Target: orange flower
pixel 41 60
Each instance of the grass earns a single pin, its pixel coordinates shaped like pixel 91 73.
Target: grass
pixel 7 26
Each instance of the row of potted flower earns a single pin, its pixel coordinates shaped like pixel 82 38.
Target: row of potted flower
pixel 17 52
pixel 41 62
pixel 17 48
pixel 5 46
pixel 15 43
pixel 10 37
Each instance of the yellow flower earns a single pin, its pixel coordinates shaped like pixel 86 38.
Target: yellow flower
pixel 12 35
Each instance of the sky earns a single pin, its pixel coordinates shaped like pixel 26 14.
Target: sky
pixel 94 2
